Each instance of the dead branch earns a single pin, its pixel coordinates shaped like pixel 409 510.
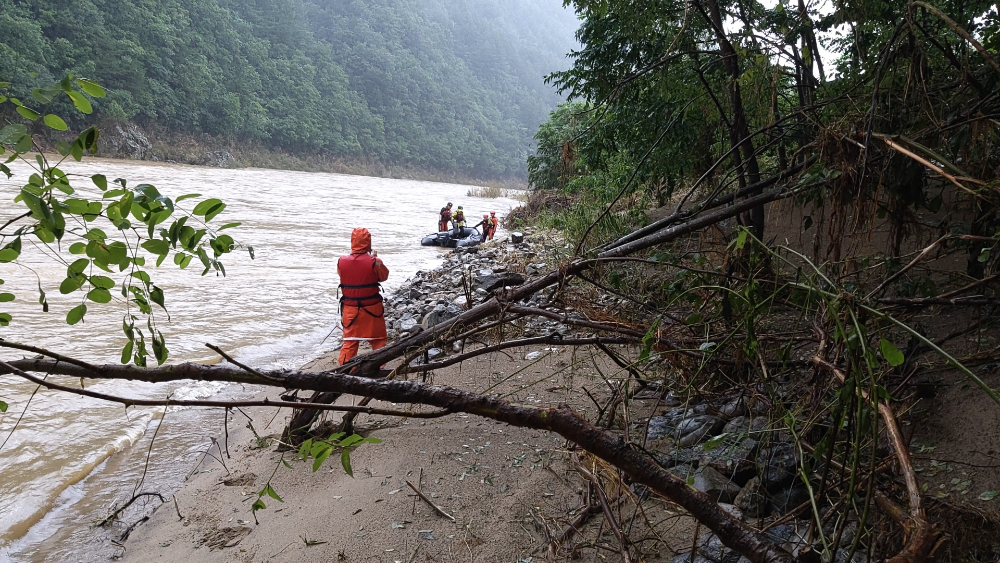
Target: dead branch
pixel 921 533
pixel 612 522
pixel 436 508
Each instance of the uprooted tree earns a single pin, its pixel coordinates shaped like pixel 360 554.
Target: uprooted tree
pixel 810 225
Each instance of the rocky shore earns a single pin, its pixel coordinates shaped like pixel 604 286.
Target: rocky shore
pixel 725 446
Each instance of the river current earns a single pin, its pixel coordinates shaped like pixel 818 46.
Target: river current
pixel 66 460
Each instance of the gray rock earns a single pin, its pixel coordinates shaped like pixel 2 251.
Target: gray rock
pixel 497 281
pixel 733 457
pixel 434 353
pixel 129 141
pixel 715 485
pixel 516 237
pixel 407 323
pixel 461 301
pixel 666 424
pixel 457 346
pixel 532 356
pixel 738 425
pixel 712 548
pixel 751 500
pixel 777 465
pixel 734 408
pixel 696 429
pixel 787 498
pixel 439 314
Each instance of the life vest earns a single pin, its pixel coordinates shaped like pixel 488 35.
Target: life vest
pixel 359 285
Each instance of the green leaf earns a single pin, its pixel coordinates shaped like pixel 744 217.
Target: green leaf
pixel 321 456
pixel 102 282
pixel 24 143
pixel 28 113
pixel 13 132
pixel 181 198
pixel 258 505
pixel 8 255
pixel 79 265
pixel 5 297
pixel 3 406
pixel 55 122
pixel 345 461
pixel 214 211
pixel 101 181
pixel 99 295
pixel 80 101
pixel 229 226
pixel 127 352
pixel 70 284
pixel 76 314
pixel 90 87
pixel 988 495
pixel 5 319
pixel 206 206
pixel 77 248
pixel 890 353
pixel 741 239
pixel 714 442
pixel 270 492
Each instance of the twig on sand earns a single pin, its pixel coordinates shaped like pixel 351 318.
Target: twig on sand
pixel 437 508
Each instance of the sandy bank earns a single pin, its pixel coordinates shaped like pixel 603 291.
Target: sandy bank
pixel 497 481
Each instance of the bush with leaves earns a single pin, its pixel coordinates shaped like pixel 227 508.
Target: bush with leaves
pixel 111 227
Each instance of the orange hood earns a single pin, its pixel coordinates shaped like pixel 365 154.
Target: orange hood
pixel 361 241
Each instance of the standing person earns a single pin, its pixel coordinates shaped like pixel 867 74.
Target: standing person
pixel 459 218
pixel 493 223
pixel 444 217
pixel 361 310
pixel 485 223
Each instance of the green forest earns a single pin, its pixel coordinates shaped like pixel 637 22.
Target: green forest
pixel 452 86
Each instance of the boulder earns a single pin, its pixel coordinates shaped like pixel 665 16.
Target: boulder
pixel 777 465
pixel 516 237
pixel 715 485
pixel 439 314
pixel 498 281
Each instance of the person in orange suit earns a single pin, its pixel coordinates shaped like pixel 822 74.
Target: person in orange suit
pixel 444 218
pixel 493 223
pixel 486 225
pixel 361 310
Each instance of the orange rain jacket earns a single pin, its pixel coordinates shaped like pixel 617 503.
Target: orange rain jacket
pixel 361 302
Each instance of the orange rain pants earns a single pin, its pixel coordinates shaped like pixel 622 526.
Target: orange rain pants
pixel 362 323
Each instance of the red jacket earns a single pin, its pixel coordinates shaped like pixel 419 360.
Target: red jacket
pixel 360 272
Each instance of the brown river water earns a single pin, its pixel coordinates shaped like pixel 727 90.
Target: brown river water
pixel 69 460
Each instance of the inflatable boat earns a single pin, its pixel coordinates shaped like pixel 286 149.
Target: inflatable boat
pixel 464 236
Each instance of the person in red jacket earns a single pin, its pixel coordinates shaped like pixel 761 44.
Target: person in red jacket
pixel 361 311
pixel 493 223
pixel 444 217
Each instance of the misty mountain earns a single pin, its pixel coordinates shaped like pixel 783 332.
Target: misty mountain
pixel 447 85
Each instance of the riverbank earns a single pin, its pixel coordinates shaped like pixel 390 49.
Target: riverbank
pixel 506 490
pixel 130 142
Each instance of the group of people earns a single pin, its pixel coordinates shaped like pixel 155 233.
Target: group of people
pixel 457 220
pixel 361 311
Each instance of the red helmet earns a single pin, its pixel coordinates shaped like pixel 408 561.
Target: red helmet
pixel 493 212
pixel 485 215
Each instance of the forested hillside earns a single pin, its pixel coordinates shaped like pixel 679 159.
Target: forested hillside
pixel 446 85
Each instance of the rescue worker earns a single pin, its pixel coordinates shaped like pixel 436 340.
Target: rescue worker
pixel 459 218
pixel 493 223
pixel 485 223
pixel 444 217
pixel 361 310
